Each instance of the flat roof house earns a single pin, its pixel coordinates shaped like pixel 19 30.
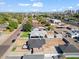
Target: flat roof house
pixel 55 21
pixel 69 50
pixel 37 38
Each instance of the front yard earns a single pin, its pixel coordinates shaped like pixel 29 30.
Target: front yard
pixel 24 34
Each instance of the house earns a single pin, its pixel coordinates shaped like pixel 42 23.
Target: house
pixel 3 26
pixel 55 21
pixel 37 33
pixel 73 33
pixel 46 54
pixel 68 50
pixel 37 38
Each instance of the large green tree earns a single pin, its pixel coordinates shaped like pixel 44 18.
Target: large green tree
pixel 27 27
pixel 12 25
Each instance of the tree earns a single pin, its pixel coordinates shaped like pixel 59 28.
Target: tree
pixel 27 27
pixel 50 27
pixel 30 19
pixel 47 24
pixel 2 20
pixel 12 25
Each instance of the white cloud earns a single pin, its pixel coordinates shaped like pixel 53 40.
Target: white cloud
pixel 2 3
pixel 77 4
pixel 23 4
pixel 38 4
pixel 70 7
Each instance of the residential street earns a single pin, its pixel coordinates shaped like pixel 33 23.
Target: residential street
pixel 6 45
pixel 70 40
pixel 73 42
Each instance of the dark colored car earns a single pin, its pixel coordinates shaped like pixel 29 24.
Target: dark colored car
pixel 66 20
pixel 13 40
pixel 76 39
pixel 68 28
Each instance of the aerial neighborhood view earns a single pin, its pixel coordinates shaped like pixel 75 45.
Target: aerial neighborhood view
pixel 39 29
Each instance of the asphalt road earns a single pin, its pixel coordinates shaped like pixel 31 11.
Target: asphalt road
pixel 72 41
pixel 6 45
pixel 3 49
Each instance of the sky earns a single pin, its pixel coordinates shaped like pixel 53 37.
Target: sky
pixel 37 5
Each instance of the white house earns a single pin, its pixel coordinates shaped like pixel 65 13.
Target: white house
pixel 36 38
pixel 37 33
pixel 55 21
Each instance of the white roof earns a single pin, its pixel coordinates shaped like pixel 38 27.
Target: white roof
pixel 56 20
pixel 36 32
pixel 39 28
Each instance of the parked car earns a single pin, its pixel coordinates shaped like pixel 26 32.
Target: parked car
pixel 66 19
pixel 68 28
pixel 13 40
pixel 76 39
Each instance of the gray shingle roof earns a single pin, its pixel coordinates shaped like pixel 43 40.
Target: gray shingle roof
pixel 35 43
pixel 68 49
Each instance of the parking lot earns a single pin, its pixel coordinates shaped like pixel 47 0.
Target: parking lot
pixel 69 39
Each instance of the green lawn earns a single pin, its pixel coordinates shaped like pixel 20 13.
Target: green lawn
pixel 24 34
pixel 73 58
pixel 14 49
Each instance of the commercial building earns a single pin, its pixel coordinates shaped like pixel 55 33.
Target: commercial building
pixel 68 50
